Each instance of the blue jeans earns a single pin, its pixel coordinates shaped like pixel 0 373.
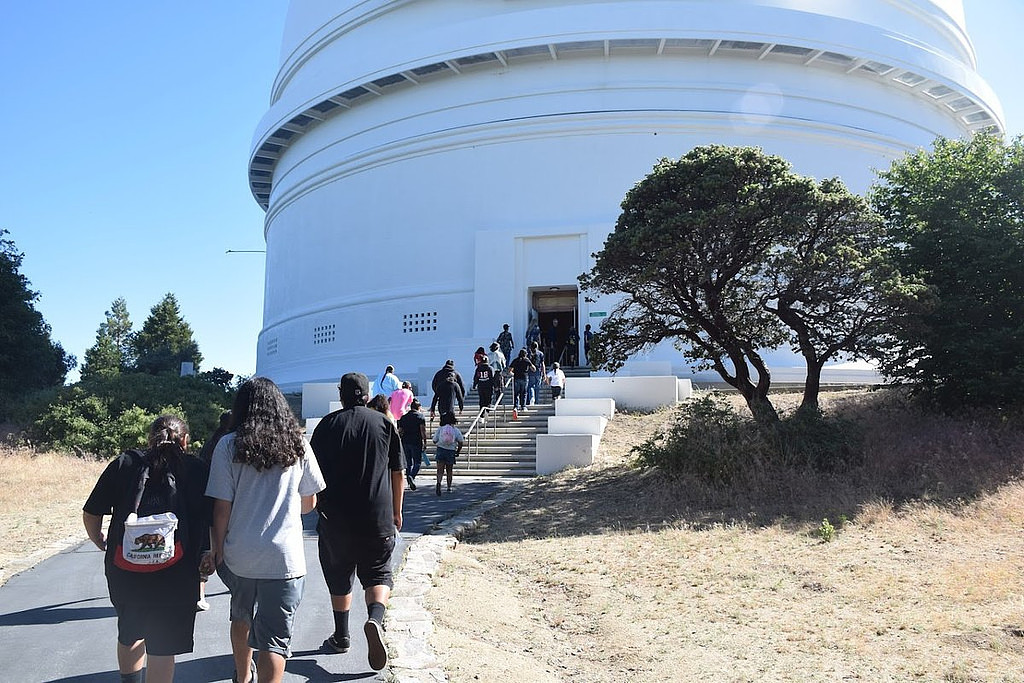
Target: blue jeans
pixel 519 398
pixel 413 457
pixel 533 387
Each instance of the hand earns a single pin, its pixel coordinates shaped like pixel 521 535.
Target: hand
pixel 101 542
pixel 398 521
pixel 206 564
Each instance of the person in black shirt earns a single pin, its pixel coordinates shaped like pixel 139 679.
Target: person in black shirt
pixel 521 367
pixel 412 427
pixel 156 609
pixel 483 382
pixel 360 511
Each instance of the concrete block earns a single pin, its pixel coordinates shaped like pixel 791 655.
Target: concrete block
pixel 311 423
pixel 605 407
pixel 577 424
pixel 684 389
pixel 644 393
pixel 317 397
pixel 558 451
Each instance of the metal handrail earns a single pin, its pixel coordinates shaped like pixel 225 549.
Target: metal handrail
pixel 472 434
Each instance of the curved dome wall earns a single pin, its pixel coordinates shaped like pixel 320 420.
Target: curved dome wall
pixel 428 168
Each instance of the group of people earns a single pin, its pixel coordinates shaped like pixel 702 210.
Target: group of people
pixel 175 518
pixel 528 369
pixel 395 398
pixel 236 509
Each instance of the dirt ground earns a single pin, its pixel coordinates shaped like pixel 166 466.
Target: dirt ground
pixel 600 575
pixel 41 498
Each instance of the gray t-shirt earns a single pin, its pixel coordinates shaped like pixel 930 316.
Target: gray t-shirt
pixel 264 537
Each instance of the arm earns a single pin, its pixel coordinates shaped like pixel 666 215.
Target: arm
pixel 94 529
pixel 423 434
pixel 308 503
pixel 221 515
pixel 397 491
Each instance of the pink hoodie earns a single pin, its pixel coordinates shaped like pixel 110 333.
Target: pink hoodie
pixel 400 401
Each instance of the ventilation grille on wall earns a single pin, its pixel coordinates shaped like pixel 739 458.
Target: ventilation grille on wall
pixel 323 334
pixel 419 322
pixel 271 346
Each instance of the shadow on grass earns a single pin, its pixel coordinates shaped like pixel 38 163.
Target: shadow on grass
pixel 909 456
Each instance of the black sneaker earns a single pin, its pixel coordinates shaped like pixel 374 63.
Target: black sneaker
pixel 437 489
pixel 337 646
pixel 412 484
pixel 376 651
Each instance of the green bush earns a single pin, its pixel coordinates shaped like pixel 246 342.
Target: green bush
pixel 812 439
pixel 711 441
pixel 708 439
pixel 107 415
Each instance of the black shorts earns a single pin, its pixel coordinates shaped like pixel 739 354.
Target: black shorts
pixel 167 629
pixel 343 555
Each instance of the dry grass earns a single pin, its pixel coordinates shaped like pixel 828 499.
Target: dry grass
pixel 41 498
pixel 610 574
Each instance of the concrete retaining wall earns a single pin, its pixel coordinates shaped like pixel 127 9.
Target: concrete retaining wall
pixel 577 424
pixel 604 407
pixel 645 393
pixel 558 451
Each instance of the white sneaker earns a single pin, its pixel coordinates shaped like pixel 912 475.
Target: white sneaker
pixel 202 606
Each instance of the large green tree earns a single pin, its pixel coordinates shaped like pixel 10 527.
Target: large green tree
pixel 727 252
pixel 958 211
pixel 29 358
pixel 113 351
pixel 165 340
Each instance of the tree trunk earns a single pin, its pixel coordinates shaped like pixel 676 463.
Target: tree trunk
pixel 812 387
pixel 760 407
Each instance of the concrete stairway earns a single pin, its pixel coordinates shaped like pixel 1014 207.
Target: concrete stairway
pixel 500 446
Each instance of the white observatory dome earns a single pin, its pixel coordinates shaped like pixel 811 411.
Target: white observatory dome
pixel 433 169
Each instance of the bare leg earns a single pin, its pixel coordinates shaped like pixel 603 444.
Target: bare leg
pixel 240 649
pixel 341 603
pixel 160 669
pixel 448 469
pixel 271 667
pixel 379 594
pixel 131 658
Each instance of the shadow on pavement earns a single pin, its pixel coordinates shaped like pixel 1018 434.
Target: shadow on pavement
pixel 219 668
pixel 58 614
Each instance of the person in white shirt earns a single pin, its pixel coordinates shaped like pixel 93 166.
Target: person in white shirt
pixel 556 378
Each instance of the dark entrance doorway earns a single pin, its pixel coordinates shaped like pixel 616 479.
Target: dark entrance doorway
pixel 557 312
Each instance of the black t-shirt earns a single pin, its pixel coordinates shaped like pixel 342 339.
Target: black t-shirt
pixel 114 495
pixel 357 449
pixel 409 427
pixel 520 366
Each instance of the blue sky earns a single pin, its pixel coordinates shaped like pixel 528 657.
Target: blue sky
pixel 127 132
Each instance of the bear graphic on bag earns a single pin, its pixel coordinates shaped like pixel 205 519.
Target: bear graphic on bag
pixel 150 542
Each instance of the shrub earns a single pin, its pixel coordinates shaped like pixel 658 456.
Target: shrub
pixel 711 441
pixel 107 415
pixel 707 439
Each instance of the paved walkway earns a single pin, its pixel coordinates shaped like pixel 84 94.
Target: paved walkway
pixel 57 624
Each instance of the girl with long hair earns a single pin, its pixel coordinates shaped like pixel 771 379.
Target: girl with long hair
pixel 263 477
pixel 152 573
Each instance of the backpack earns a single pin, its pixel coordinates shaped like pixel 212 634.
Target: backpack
pixel 149 543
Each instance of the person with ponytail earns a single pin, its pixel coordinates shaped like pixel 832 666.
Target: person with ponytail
pixel 263 477
pixel 152 567
pixel 388 383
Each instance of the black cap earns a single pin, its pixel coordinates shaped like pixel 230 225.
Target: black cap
pixel 355 388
